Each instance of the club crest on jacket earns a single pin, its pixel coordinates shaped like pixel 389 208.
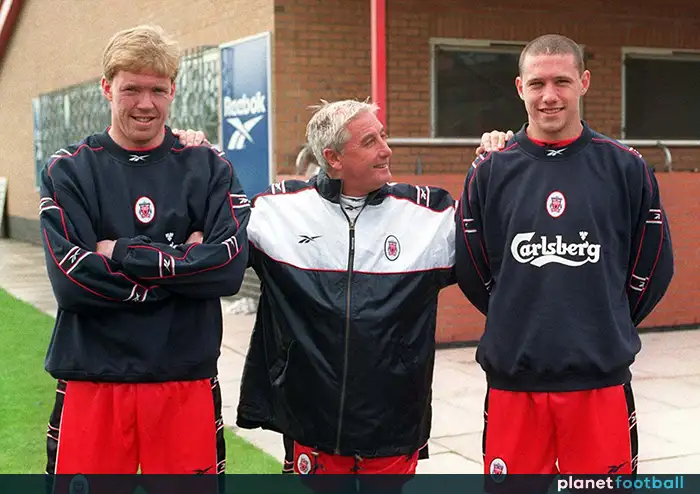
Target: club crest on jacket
pixel 144 209
pixel 392 248
pixel 556 204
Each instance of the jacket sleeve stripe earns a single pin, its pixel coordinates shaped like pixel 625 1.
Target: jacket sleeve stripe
pixel 77 262
pixel 164 255
pixel 469 249
pixel 639 253
pixel 467 222
pixel 233 212
pixel 653 268
pixel 75 251
pixel 655 217
pixel 651 243
pixel 204 270
pixel 69 254
pixel 481 240
pixel 644 229
pixel 53 255
pixel 75 255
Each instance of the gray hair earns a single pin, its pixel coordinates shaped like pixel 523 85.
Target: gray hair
pixel 327 129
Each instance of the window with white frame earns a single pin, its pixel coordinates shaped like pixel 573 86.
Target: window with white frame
pixel 660 94
pixel 473 88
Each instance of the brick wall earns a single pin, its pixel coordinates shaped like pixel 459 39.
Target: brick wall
pixel 328 47
pixel 603 27
pixel 322 50
pixel 459 321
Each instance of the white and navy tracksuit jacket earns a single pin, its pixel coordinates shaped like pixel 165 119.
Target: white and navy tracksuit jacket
pixel 342 353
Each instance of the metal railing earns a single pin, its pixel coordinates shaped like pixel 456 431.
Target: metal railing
pixel 65 116
pixel 196 103
pixel 664 145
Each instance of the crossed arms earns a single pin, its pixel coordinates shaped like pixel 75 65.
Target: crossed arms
pixel 85 277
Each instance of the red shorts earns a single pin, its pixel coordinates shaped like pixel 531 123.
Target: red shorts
pixel 576 432
pixel 311 461
pixel 288 442
pixel 117 428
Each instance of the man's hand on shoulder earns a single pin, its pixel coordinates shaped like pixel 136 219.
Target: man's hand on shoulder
pixel 190 137
pixel 493 141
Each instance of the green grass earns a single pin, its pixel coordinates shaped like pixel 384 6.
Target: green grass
pixel 27 393
pixel 243 457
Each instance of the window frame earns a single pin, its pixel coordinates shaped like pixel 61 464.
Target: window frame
pixel 463 44
pixel 647 53
pixel 477 45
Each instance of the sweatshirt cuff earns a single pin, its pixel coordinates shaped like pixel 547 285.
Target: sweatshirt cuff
pixel 120 248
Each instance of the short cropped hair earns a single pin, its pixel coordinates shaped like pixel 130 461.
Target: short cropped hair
pixel 553 44
pixel 327 129
pixel 139 49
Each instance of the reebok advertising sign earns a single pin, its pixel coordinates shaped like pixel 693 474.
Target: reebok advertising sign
pixel 245 110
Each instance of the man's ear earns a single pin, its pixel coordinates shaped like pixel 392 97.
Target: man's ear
pixel 585 82
pixel 333 159
pixel 106 89
pixel 519 87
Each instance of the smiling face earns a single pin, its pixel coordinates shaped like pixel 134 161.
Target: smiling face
pixel 551 87
pixel 363 164
pixel 140 104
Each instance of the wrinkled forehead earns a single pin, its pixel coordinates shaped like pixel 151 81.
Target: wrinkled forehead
pixel 364 124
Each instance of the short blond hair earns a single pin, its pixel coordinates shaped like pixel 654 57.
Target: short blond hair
pixel 141 48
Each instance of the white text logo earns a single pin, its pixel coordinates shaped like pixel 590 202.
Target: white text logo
pixel 243 107
pixel 555 152
pixel 545 252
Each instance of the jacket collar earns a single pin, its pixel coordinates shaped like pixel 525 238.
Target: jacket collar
pixel 330 189
pixel 554 153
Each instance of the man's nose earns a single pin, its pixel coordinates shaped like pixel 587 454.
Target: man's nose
pixel 145 100
pixel 550 93
pixel 386 150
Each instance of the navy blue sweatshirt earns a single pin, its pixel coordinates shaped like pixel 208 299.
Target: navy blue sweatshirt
pixel 152 312
pixel 565 250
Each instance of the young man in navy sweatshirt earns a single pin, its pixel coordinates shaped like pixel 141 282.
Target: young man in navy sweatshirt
pixel 142 236
pixel 563 244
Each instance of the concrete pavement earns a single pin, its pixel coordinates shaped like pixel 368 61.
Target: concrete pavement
pixel 666 385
